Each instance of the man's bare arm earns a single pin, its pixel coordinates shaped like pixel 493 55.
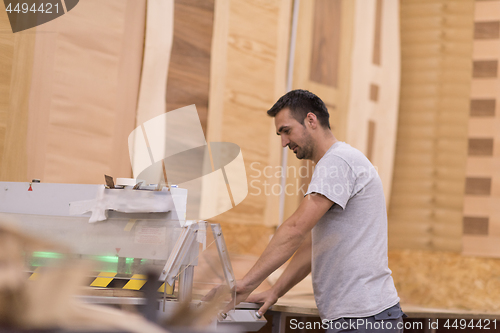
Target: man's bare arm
pixel 298 268
pixel 285 242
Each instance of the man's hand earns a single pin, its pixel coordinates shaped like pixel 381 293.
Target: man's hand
pixel 268 297
pixel 239 294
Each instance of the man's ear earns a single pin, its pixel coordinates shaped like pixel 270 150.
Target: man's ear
pixel 312 120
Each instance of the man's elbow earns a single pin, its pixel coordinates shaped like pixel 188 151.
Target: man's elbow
pixel 294 232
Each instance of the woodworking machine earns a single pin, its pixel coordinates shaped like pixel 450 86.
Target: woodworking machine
pixel 133 229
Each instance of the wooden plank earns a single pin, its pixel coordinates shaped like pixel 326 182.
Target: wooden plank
pixel 480 147
pixel 486 30
pixel 485 69
pixel 326 42
pixel 374 92
pixel 218 64
pixel 128 85
pixel 477 186
pixel 377 39
pixel 14 157
pixel 475 225
pixel 251 82
pixel 345 67
pixel 157 50
pixel 189 69
pixel 371 139
pixel 429 82
pixel 99 87
pixel 6 60
pixel 482 107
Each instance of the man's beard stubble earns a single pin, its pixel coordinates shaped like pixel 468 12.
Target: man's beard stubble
pixel 306 151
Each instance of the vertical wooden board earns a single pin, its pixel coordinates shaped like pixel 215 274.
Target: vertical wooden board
pixel 218 61
pixel 303 46
pixel 14 157
pixel 345 68
pixel 252 31
pixel 127 90
pixel 157 50
pixel 326 42
pixel 371 139
pixel 377 43
pixel 88 99
pixel 6 59
pixel 374 88
pixel 189 69
pixel 41 100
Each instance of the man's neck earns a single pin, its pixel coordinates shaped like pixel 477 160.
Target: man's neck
pixel 323 145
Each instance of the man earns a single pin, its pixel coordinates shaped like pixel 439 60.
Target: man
pixel 339 231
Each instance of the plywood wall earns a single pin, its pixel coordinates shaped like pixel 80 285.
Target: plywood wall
pixel 481 212
pixel 431 150
pixel 72 94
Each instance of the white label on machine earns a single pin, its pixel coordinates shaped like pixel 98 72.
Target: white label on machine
pixel 150 235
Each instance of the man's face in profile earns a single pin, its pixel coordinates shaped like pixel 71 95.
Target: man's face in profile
pixel 294 135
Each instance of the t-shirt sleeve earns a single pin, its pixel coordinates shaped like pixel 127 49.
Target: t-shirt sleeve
pixel 334 179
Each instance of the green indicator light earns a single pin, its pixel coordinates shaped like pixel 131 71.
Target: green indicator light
pixel 49 255
pixel 55 255
pixel 109 259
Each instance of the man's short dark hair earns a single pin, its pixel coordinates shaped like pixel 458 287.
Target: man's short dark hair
pixel 301 102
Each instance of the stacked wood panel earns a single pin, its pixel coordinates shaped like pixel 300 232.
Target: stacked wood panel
pixel 431 150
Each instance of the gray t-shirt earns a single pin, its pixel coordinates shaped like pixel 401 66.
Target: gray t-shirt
pixel 350 272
